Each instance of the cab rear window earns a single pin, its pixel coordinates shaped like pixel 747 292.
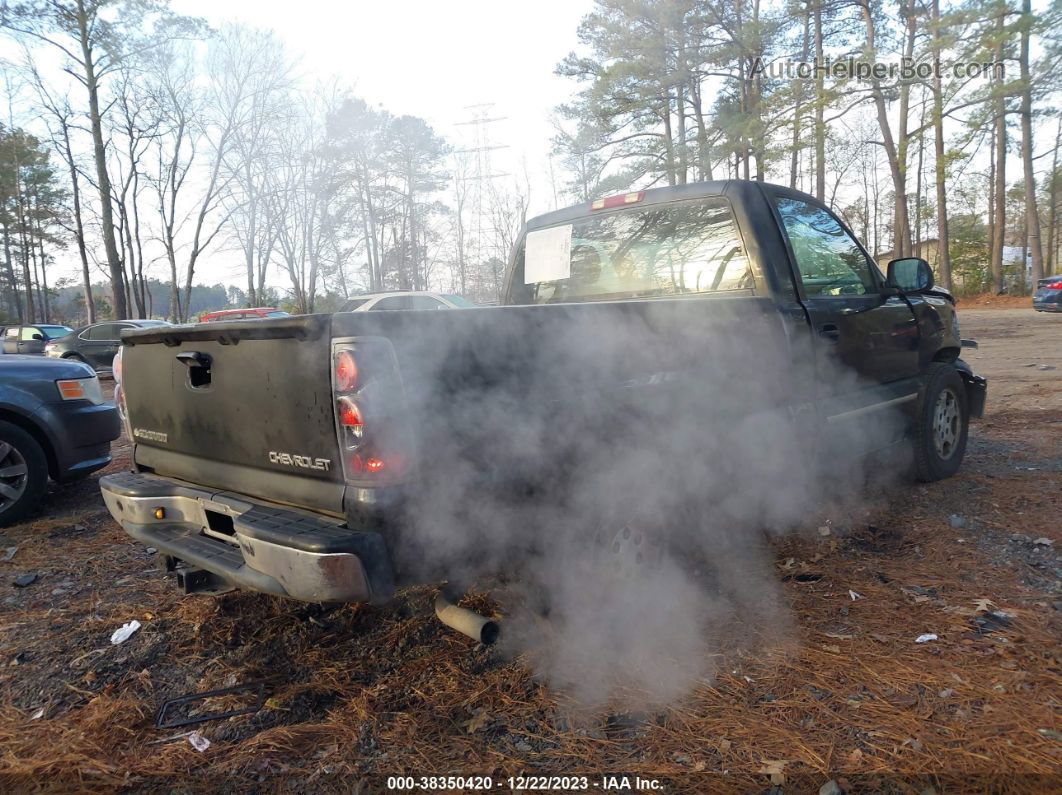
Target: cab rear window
pixel 670 250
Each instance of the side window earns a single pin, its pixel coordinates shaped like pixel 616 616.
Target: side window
pixel 12 333
pixel 392 302
pixel 829 260
pixel 29 331
pixel 107 331
pixel 425 302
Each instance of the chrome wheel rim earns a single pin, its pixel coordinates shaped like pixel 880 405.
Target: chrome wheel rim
pixel 946 424
pixel 14 474
pixel 630 551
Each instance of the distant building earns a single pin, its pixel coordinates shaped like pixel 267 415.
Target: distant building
pixel 927 250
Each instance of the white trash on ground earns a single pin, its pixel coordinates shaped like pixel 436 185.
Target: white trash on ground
pixel 198 741
pixel 925 638
pixel 124 632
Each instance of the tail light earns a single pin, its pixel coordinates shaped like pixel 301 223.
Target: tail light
pixel 119 393
pixel 346 371
pixel 1054 285
pixel 374 441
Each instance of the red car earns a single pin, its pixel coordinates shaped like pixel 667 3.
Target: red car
pixel 252 313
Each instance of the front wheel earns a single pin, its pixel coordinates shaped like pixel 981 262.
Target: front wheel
pixel 23 473
pixel 942 424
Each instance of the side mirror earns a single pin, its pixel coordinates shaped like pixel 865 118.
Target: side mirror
pixel 38 337
pixel 910 275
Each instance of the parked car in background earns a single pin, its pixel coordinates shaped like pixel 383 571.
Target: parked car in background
pixel 30 339
pixel 95 344
pixel 406 300
pixel 1048 295
pixel 251 313
pixel 54 423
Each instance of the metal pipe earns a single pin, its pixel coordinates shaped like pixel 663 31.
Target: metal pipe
pixel 465 621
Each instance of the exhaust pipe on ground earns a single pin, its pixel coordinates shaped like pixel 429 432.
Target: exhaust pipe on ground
pixel 465 621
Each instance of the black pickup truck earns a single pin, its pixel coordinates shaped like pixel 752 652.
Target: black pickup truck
pixel 331 457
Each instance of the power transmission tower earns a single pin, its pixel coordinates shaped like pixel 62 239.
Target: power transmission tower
pixel 485 246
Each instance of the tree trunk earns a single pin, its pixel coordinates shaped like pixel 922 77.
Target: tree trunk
pixel 79 227
pixel 1032 215
pixel 901 231
pixel 103 180
pixel 794 153
pixel 940 165
pixel 820 109
pixel 12 280
pixel 1052 209
pixel 704 153
pixel 999 221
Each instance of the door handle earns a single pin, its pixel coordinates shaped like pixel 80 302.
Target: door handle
pixel 830 332
pixel 194 359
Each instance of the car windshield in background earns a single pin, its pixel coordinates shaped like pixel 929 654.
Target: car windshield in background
pixel 54 332
pixel 458 300
pixel 277 314
pixel 671 250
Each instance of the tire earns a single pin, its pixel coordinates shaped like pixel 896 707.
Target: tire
pixel 943 422
pixel 23 473
pixel 76 357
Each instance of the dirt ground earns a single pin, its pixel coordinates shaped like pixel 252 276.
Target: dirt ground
pixel 356 694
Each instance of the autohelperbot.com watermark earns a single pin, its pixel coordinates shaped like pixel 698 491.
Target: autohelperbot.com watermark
pixel 854 68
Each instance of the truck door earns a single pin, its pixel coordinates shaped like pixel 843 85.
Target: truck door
pixel 874 335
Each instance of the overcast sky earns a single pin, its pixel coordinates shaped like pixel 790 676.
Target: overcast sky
pixel 432 59
pixel 429 59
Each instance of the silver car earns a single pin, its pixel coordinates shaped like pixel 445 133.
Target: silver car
pixel 408 299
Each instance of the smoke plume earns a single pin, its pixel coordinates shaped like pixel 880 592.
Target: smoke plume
pixel 622 465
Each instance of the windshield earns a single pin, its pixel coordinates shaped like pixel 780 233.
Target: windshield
pixel 278 313
pixel 669 250
pixel 55 332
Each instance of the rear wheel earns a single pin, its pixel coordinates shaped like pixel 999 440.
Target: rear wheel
pixel 943 423
pixel 23 473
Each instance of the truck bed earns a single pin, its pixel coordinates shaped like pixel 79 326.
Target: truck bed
pixel 477 384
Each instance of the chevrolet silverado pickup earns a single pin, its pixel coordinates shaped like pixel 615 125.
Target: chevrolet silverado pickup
pixel 299 455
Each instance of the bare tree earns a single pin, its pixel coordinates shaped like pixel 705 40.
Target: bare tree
pixel 96 37
pixel 252 82
pixel 60 119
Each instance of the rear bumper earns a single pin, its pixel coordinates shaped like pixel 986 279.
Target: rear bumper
pixel 1047 300
pixel 251 544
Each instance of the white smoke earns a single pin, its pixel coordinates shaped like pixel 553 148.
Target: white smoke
pixel 553 439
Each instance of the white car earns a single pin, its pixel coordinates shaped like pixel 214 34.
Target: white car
pixel 405 300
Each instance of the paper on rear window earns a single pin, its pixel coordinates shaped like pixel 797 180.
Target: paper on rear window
pixel 548 255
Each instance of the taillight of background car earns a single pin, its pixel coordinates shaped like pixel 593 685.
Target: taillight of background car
pixel 374 442
pixel 119 393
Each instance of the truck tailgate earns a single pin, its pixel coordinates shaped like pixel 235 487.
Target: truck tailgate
pixel 244 406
